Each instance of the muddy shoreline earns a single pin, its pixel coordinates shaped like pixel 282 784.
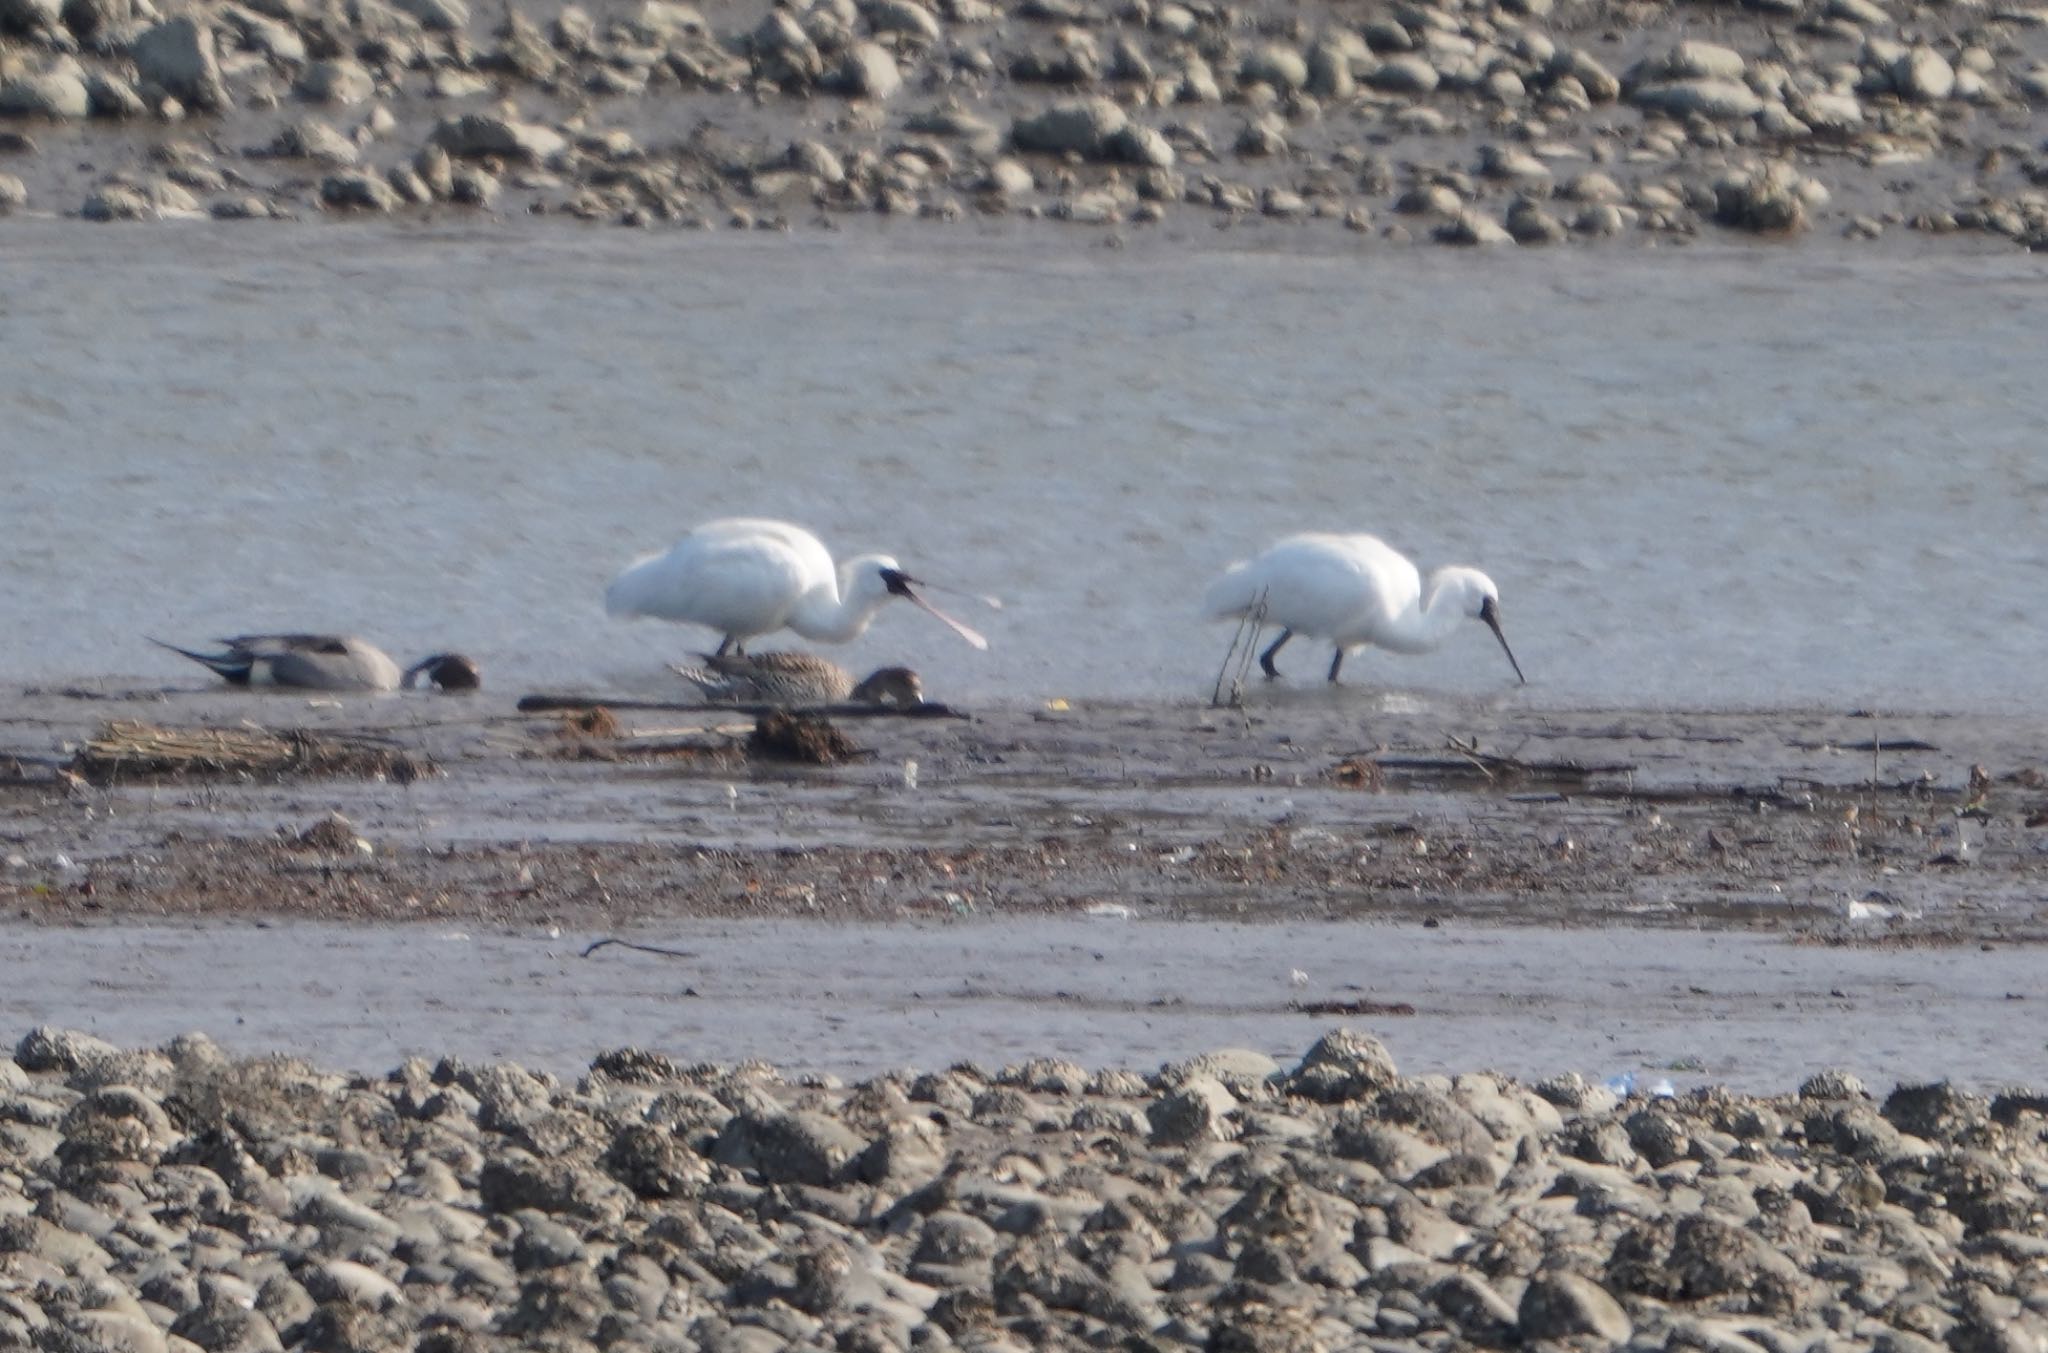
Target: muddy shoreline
pixel 1831 827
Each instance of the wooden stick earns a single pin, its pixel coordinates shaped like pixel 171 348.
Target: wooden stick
pixel 543 703
pixel 596 945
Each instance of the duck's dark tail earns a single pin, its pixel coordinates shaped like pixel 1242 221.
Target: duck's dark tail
pixel 232 665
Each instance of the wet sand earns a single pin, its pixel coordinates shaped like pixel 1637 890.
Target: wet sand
pixel 1736 897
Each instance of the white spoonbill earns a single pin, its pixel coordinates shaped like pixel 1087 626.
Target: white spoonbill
pixel 745 577
pixel 1354 590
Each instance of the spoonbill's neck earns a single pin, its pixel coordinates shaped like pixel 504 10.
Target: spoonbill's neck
pixel 1433 617
pixel 825 617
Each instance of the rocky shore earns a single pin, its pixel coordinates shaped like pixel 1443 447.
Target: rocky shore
pixel 180 1198
pixel 1530 121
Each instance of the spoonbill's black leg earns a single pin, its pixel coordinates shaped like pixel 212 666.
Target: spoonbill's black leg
pixel 1266 658
pixel 1335 663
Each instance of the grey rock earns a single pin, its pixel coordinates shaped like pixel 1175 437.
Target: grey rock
pixel 30 16
pixel 57 92
pixel 1274 64
pixel 1405 74
pixel 442 16
pixel 800 1148
pixel 111 96
pixel 1197 1111
pixel 1564 1305
pixel 1342 1065
pixel 1472 228
pixel 311 139
pixel 342 81
pixel 1708 98
pixel 479 134
pixel 868 71
pixel 1923 75
pixel 358 192
pixel 1081 126
pixel 177 56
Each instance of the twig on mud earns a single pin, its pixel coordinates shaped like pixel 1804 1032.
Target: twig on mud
pixel 1237 661
pixel 1871 745
pixel 1470 760
pixel 1362 1006
pixel 596 945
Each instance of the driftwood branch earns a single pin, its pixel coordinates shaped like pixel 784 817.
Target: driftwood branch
pixel 596 945
pixel 543 703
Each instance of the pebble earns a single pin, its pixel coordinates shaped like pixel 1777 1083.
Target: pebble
pixel 1840 92
pixel 165 1200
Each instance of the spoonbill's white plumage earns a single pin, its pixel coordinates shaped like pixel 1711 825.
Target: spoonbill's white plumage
pixel 1354 590
pixel 745 577
pixel 326 662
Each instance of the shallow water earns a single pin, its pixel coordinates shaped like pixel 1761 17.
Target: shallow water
pixel 1741 1010
pixel 1747 476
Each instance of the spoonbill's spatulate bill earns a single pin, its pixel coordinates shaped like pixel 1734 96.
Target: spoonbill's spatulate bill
pixel 326 662
pixel 799 679
pixel 744 577
pixel 1354 590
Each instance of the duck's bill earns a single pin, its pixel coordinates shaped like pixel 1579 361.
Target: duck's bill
pixel 1494 625
pixel 972 636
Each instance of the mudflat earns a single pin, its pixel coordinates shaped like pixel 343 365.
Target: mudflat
pixel 981 860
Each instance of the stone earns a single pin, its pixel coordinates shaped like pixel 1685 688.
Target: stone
pixel 111 96
pixel 1923 75
pixel 1405 74
pixel 342 81
pixel 1529 223
pixel 479 134
pixel 1769 199
pixel 1564 1305
pixel 800 1148
pixel 358 192
pixel 1197 1111
pixel 1078 126
pixel 177 56
pixel 1139 145
pixel 1708 98
pixel 905 17
pixel 441 16
pixel 46 1049
pixel 868 71
pixel 29 17
pixel 311 139
pixel 1274 64
pixel 1342 1065
pixel 13 194
pixel 57 92
pixel 1472 228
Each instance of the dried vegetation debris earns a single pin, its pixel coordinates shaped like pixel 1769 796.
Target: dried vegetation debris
pixel 128 749
pixel 184 1197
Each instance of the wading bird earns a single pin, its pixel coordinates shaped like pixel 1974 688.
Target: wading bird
pixel 327 662
pixel 744 577
pixel 798 679
pixel 1354 590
